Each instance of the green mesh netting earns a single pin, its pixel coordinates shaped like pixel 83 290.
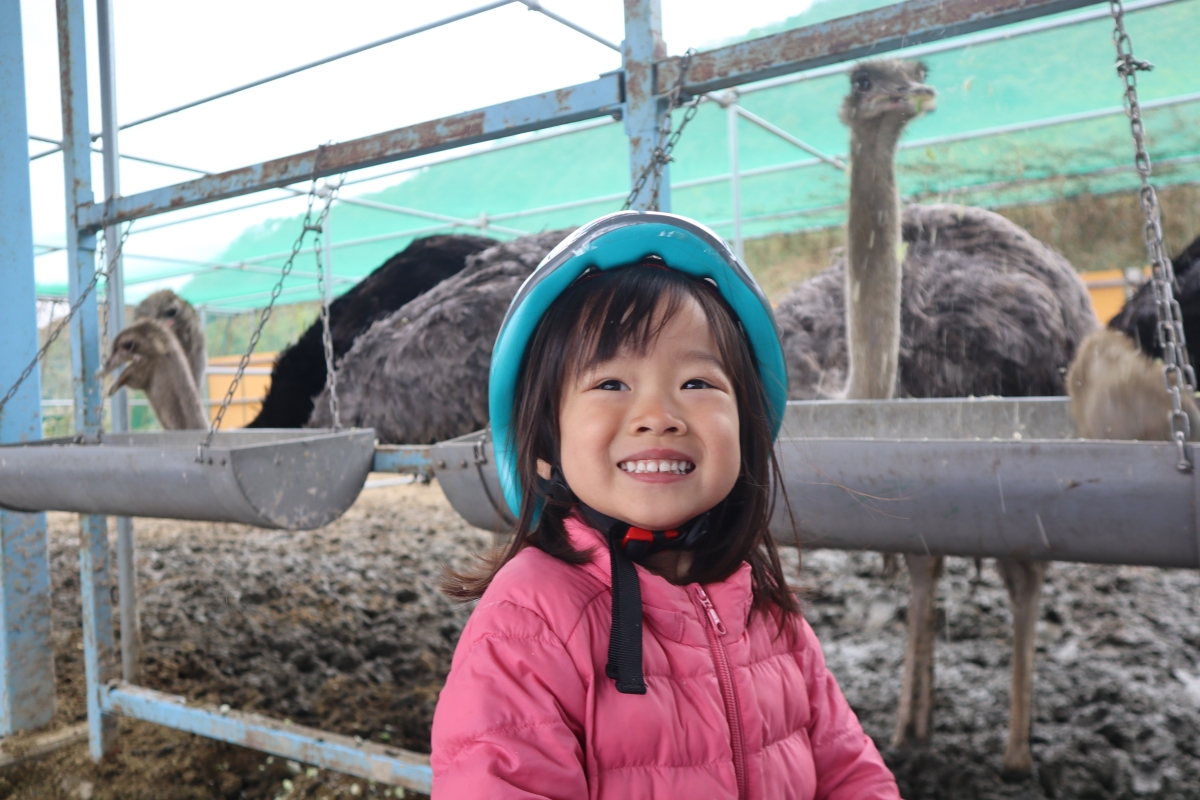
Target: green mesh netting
pixel 1025 79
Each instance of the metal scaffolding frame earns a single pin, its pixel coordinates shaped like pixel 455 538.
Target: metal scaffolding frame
pixel 635 94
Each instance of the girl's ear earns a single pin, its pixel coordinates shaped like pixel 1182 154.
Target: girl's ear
pixel 543 469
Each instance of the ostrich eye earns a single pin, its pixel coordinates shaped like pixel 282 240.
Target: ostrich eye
pixel 862 83
pixel 127 345
pixel 170 312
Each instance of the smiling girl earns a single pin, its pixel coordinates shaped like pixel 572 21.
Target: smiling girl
pixel 637 637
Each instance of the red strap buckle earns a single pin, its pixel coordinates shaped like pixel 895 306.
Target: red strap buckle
pixel 643 535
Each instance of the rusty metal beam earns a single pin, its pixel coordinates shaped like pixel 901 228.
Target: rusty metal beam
pixel 870 33
pixel 583 101
pixel 644 110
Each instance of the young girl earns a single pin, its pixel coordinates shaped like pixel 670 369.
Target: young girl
pixel 637 638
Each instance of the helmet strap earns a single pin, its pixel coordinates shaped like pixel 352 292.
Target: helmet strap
pixel 627 544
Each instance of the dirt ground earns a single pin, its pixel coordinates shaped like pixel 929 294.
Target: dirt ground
pixel 343 629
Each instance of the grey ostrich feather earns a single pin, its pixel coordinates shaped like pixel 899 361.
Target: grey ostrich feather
pixel 420 375
pixel 986 309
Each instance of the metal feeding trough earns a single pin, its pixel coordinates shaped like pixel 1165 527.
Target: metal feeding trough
pixel 291 479
pixel 970 477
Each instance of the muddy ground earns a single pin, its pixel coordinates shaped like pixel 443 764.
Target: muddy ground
pixel 343 629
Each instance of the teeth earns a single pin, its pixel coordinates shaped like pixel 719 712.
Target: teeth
pixel 656 465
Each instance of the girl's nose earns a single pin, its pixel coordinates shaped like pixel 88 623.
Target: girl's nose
pixel 656 416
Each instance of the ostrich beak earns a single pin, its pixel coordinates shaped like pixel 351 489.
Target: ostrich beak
pixel 116 361
pixel 924 98
pixel 122 379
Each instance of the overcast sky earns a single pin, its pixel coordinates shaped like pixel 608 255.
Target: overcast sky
pixel 171 52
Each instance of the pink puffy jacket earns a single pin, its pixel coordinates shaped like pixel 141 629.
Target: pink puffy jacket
pixel 731 710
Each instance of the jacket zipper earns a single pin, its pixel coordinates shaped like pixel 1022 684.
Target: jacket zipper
pixel 733 715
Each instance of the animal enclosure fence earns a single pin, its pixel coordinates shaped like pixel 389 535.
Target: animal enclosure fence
pixel 636 95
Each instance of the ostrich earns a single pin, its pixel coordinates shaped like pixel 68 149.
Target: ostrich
pixel 155 363
pixel 420 375
pixel 934 301
pixel 1139 319
pixel 177 316
pixel 299 373
pixel 1118 392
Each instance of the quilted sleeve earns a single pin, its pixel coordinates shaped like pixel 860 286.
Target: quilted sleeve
pixel 847 763
pixel 508 723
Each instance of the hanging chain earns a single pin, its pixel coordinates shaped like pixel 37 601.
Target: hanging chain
pixel 330 193
pixel 666 139
pixel 74 308
pixel 308 225
pixel 1177 372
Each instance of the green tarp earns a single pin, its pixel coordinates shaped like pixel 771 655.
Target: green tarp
pixel 1023 80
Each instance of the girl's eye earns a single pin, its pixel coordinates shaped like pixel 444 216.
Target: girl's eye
pixel 612 385
pixel 698 383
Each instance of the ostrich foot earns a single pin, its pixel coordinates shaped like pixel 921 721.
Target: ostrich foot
pixel 1023 579
pixel 913 718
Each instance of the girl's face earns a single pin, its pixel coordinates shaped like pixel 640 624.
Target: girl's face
pixel 652 440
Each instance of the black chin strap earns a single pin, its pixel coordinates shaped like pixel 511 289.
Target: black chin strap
pixel 627 544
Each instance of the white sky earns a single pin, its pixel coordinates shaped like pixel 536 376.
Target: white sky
pixel 171 52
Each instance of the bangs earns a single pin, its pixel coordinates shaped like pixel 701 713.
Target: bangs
pixel 624 311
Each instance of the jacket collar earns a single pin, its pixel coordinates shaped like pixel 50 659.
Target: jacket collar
pixel 671 610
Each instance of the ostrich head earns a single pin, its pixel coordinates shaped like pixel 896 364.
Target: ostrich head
pixel 138 348
pixel 887 90
pixel 167 308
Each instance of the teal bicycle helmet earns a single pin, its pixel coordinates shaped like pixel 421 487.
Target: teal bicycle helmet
pixel 617 240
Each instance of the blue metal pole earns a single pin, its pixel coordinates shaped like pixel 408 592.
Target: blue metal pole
pixel 100 664
pixel 131 635
pixel 26 654
pixel 644 110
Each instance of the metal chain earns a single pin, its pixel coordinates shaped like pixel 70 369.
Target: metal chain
pixel 262 320
pixel 666 139
pixel 1177 372
pixel 330 193
pixel 74 308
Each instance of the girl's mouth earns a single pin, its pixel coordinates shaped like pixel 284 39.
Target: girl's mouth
pixel 657 465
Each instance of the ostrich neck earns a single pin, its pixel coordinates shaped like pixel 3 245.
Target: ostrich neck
pixel 873 263
pixel 172 393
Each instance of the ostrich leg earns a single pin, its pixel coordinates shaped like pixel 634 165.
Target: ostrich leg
pixel 1023 579
pixel 916 693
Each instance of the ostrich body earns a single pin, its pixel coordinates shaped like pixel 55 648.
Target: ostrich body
pixel 421 374
pixel 985 309
pixel 299 373
pixel 155 363
pixel 177 315
pixel 1118 392
pixel 972 306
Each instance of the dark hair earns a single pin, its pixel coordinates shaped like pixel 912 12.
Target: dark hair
pixel 593 320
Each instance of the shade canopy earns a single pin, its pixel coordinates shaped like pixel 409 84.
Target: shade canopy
pixel 1022 117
